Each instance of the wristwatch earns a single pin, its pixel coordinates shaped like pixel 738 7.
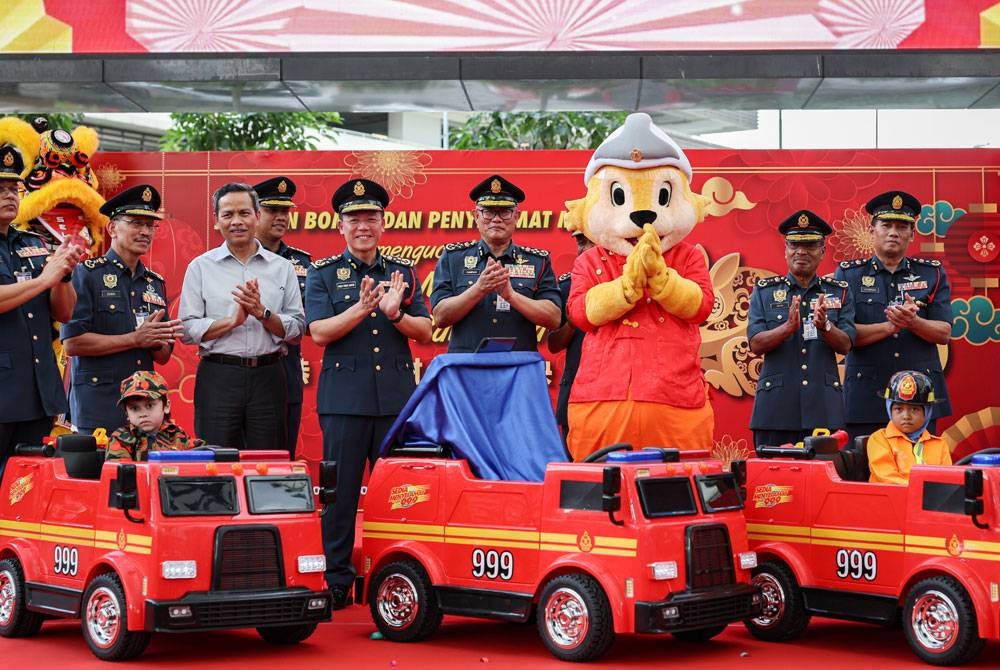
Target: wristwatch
pixel 398 318
pixel 266 315
pixel 828 327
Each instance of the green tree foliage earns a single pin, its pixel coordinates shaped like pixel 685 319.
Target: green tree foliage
pixel 535 130
pixel 248 132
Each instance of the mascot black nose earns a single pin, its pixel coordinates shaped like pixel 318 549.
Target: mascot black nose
pixel 642 217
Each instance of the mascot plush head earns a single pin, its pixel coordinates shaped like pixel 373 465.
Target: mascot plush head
pixel 637 176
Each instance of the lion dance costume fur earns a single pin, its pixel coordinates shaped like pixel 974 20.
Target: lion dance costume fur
pixel 639 296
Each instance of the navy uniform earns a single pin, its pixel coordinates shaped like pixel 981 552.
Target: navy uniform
pixel 112 301
pixel 572 361
pixel 461 264
pixel 278 192
pixel 32 388
pixel 870 367
pixel 366 378
pixel 799 387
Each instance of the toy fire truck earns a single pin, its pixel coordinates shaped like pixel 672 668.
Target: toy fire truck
pixel 189 541
pixel 927 552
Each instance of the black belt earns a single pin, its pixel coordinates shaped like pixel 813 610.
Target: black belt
pixel 244 361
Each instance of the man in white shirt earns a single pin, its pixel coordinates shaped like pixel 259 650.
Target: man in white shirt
pixel 241 305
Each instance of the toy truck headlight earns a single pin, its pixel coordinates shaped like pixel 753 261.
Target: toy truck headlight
pixel 664 570
pixel 748 560
pixel 179 569
pixel 312 563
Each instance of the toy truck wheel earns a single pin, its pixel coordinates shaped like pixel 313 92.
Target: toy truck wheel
pixel 105 621
pixel 15 619
pixel 574 618
pixel 783 614
pixel 939 621
pixel 286 634
pixel 403 603
pixel 700 634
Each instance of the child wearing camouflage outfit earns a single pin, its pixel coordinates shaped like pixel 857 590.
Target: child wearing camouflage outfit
pixel 150 427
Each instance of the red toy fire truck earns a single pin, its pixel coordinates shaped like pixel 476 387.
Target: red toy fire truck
pixel 928 552
pixel 639 544
pixel 189 541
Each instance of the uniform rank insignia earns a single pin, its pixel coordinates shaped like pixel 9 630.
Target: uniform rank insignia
pixel 343 273
pixel 521 271
pixel 111 280
pixel 152 298
pixel 780 295
pixel 470 262
pixel 28 252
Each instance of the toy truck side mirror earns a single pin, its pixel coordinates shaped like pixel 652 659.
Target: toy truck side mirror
pixel 611 486
pixel 974 496
pixel 328 482
pixel 124 494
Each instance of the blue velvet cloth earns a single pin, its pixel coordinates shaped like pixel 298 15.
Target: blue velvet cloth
pixel 491 409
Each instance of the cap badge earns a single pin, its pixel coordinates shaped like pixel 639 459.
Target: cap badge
pixel 803 221
pixel 8 159
pixel 110 280
pixel 147 195
pixel 868 281
pixel 282 186
pixel 495 186
pixel 359 188
pixel 907 388
pixel 635 155
pixel 897 202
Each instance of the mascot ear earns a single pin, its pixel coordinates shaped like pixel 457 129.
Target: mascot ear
pixel 86 140
pixel 574 216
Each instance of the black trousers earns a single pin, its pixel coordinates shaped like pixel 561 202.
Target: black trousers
pixel 293 417
pixel 14 433
pixel 353 442
pixel 240 407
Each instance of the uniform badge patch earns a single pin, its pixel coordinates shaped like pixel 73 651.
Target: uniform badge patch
pixel 780 295
pixel 111 280
pixel 152 298
pixel 521 271
pixel 343 273
pixel 868 281
pixel 470 262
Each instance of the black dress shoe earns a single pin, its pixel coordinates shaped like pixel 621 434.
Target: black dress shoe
pixel 340 598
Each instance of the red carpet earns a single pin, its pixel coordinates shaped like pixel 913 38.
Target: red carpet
pixel 468 643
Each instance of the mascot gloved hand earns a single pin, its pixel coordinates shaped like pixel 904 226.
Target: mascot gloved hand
pixel 639 295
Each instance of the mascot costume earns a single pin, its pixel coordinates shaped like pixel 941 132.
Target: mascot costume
pixel 60 198
pixel 639 296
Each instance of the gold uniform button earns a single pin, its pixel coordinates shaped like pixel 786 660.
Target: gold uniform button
pixel 803 351
pixel 376 349
pixel 374 331
pixel 34 337
pixel 805 382
pixel 36 361
pixel 767 384
pixel 494 320
pixel 111 306
pixel 896 355
pixel 780 317
pixel 836 384
pixel 805 367
pixel 378 368
pixel 374 314
pixel 30 315
pixel 895 336
pixel 93 379
pixel 470 282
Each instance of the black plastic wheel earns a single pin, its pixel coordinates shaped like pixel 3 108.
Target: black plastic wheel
pixel 574 618
pixel 939 621
pixel 292 634
pixel 403 603
pixel 783 616
pixel 700 634
pixel 15 619
pixel 104 620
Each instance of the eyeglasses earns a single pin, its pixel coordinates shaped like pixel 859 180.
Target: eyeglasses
pixel 505 213
pixel 136 224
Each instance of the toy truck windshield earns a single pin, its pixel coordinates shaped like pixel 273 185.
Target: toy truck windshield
pixel 674 496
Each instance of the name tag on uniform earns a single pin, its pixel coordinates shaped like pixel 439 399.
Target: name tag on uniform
pixel 912 285
pixel 28 252
pixel 153 299
pixel 521 271
pixel 346 284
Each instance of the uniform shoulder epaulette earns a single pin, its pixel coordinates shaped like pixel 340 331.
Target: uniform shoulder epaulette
pixel 564 277
pixel 323 262
pixel 299 251
pixel 926 261
pixel 92 263
pixel 537 252
pixel 771 281
pixel 33 234
pixel 155 275
pixel 399 260
pixel 853 263
pixel 836 282
pixel 456 246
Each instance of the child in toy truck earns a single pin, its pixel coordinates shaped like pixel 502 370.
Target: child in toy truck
pixel 905 441
pixel 149 425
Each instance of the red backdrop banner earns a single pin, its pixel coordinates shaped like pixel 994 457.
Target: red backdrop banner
pixel 751 192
